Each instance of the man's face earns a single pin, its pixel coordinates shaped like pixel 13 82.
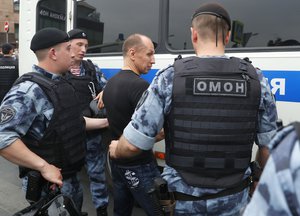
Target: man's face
pixel 64 56
pixel 78 48
pixel 144 57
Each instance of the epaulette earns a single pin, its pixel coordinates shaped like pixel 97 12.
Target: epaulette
pixel 178 57
pixel 247 60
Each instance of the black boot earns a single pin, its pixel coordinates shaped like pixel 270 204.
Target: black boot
pixel 102 211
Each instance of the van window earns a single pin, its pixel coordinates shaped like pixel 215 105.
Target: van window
pixel 258 23
pixel 108 23
pixel 51 13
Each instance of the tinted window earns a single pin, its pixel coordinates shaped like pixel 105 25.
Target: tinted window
pixel 260 23
pixel 51 13
pixel 108 22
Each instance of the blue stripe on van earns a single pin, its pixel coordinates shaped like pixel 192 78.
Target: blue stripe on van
pixel 285 84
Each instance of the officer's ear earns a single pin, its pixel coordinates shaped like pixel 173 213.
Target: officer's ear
pixel 52 53
pixel 194 35
pixel 227 37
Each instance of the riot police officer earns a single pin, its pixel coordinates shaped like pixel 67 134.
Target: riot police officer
pixel 9 70
pixel 88 82
pixel 212 107
pixel 41 126
pixel 277 192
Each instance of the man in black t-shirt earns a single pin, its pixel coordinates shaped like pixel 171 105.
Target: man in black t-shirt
pixel 9 70
pixel 131 177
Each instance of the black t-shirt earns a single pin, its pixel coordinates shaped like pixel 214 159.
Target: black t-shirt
pixel 9 72
pixel 121 95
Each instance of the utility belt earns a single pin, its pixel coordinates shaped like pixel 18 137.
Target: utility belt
pixel 186 197
pixel 164 201
pixel 247 182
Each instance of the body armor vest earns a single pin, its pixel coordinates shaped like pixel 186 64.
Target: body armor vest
pixel 81 85
pixel 63 141
pixel 212 124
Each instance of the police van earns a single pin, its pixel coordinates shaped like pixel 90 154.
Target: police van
pixel 265 31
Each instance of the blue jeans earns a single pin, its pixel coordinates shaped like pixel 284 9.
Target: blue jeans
pixel 95 161
pixel 132 183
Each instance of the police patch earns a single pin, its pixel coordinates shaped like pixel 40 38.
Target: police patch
pixel 6 114
pixel 220 87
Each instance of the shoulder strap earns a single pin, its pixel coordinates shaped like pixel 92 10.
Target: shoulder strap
pixel 37 78
pixel 90 70
pixel 89 67
pixel 45 83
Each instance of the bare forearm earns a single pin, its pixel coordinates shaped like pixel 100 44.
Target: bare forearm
pixel 124 149
pixel 262 156
pixel 160 136
pixel 95 123
pixel 19 154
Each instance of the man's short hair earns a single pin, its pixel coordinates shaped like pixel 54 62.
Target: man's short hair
pixel 6 48
pixel 213 9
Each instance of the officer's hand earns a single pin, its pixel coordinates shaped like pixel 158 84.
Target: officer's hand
pixel 52 174
pixel 252 188
pixel 100 101
pixel 112 148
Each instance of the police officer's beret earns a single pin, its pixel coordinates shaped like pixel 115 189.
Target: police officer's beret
pixel 77 33
pixel 48 37
pixel 213 9
pixel 6 48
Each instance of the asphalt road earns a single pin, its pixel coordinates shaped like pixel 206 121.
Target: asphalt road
pixel 12 198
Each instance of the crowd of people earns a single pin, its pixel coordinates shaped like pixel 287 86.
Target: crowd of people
pixel 210 108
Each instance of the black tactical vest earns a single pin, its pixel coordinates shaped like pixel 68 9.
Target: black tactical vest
pixel 81 85
pixel 212 124
pixel 63 142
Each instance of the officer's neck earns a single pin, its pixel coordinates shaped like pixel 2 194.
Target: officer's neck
pixel 50 68
pixel 210 49
pixel 76 63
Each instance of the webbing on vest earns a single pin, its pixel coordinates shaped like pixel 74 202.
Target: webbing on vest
pixel 282 157
pixel 81 83
pixel 63 140
pixel 212 124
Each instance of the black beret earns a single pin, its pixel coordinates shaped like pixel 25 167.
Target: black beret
pixel 77 33
pixel 6 48
pixel 48 37
pixel 215 10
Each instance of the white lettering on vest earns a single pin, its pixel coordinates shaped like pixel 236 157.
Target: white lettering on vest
pixel 220 87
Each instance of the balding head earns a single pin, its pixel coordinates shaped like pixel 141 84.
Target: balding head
pixel 138 53
pixel 136 41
